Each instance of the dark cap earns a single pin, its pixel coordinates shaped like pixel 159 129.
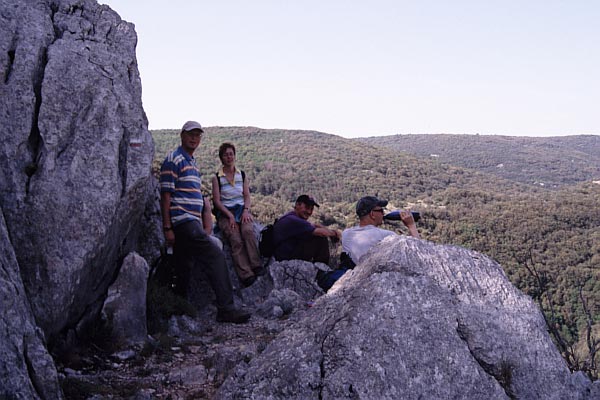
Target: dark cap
pixel 191 126
pixel 308 200
pixel 366 204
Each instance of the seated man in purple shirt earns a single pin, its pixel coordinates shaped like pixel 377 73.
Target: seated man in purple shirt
pixel 297 239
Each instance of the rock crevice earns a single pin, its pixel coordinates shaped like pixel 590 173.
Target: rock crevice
pixel 502 373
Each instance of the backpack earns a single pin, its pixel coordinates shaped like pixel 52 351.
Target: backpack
pixel 266 243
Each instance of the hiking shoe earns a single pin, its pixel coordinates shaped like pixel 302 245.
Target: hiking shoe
pixel 248 281
pixel 236 316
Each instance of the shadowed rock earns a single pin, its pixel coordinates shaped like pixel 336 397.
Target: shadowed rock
pixel 415 320
pixel 296 275
pixel 124 310
pixel 75 158
pixel 26 369
pixel 75 153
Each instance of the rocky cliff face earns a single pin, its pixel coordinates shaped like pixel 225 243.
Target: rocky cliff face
pixel 75 153
pixel 26 369
pixel 414 320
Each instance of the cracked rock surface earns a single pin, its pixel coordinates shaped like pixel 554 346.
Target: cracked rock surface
pixel 75 154
pixel 414 320
pixel 75 176
pixel 26 369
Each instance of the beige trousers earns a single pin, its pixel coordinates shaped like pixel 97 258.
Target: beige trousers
pixel 244 247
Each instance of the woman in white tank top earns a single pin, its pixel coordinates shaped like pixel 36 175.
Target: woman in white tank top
pixel 231 196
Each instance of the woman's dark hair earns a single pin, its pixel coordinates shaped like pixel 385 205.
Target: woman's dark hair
pixel 223 148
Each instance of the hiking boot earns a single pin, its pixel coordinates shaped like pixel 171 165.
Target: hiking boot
pixel 248 281
pixel 236 316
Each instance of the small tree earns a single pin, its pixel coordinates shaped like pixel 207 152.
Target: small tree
pixel 542 293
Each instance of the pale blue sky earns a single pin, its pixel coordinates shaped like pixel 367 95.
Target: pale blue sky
pixel 366 68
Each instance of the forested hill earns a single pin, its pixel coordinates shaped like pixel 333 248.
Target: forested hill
pixel 547 161
pixel 283 164
pixel 554 232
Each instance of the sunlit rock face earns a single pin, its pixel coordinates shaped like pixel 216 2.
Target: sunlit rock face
pixel 415 320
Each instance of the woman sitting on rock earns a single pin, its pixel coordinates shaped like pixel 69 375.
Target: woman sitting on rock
pixel 231 195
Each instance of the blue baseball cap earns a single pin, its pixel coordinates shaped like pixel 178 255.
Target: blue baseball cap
pixel 366 204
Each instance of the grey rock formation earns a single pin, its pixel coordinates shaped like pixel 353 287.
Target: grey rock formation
pixel 414 320
pixel 279 303
pixel 75 159
pixel 292 286
pixel 124 310
pixel 298 276
pixel 26 369
pixel 75 153
pixel 151 239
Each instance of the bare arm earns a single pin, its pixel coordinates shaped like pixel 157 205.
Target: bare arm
pixel 326 232
pixel 207 221
pixel 165 206
pixel 409 222
pixel 216 194
pixel 246 216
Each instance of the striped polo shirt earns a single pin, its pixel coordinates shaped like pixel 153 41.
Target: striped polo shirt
pixel 232 193
pixel 179 175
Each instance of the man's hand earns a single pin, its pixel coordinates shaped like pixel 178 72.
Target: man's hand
pixel 169 237
pixel 408 220
pixel 337 236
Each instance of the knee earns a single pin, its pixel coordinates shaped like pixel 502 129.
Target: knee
pixel 234 236
pixel 247 229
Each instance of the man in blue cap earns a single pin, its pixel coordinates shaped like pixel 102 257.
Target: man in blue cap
pixel 357 241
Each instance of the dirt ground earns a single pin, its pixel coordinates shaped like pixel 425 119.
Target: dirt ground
pixel 190 361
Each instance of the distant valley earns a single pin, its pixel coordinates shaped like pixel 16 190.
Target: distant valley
pixel 550 162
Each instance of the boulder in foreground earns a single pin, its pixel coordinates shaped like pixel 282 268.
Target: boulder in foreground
pixel 415 320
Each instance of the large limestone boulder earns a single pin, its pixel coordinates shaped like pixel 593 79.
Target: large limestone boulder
pixel 75 152
pixel 414 320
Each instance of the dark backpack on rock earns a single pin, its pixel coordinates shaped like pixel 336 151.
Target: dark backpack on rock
pixel 266 243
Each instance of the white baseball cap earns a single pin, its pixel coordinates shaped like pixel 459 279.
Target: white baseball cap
pixel 190 126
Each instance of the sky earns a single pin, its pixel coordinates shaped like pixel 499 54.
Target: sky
pixel 371 68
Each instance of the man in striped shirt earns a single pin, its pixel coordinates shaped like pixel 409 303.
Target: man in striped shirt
pixel 182 206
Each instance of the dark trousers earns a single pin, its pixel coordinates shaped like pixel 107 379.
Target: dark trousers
pixel 193 248
pixel 314 249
